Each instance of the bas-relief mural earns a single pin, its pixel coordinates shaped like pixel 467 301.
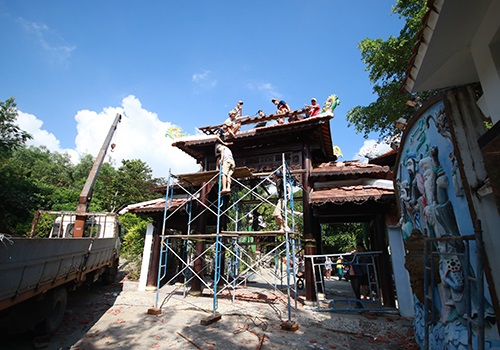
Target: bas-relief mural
pixel 433 204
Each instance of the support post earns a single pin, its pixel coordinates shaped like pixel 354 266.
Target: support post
pixel 154 263
pixel 201 224
pixel 383 262
pixel 309 234
pixel 146 257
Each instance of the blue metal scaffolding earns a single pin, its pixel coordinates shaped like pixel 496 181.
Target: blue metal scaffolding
pixel 227 245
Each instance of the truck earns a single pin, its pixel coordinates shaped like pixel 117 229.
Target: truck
pixel 64 250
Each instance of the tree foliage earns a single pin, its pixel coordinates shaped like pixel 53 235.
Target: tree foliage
pixel 341 238
pixel 386 61
pixel 15 191
pixel 133 243
pixel 11 136
pixel 34 178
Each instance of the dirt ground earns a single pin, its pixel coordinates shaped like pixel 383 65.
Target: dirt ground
pixel 115 317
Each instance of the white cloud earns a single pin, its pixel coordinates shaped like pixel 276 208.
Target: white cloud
pixel 58 51
pixel 371 149
pixel 267 88
pixel 33 125
pixel 139 135
pixel 204 80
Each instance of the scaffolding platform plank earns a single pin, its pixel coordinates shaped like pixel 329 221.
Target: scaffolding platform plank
pixel 204 176
pixel 231 234
pixel 202 235
pixel 257 233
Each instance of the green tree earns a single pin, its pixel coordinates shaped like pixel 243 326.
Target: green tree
pixel 11 136
pixel 51 173
pixel 135 183
pixel 386 61
pixel 18 196
pixel 16 192
pixel 115 188
pixel 341 238
pixel 133 242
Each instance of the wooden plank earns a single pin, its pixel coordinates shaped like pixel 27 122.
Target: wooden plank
pixel 246 120
pixel 204 176
pixel 257 233
pixel 203 235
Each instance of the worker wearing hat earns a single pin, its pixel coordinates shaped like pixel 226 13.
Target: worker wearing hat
pixel 237 110
pixel 400 124
pixel 312 109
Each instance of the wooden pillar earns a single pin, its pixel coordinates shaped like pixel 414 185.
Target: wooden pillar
pixel 152 279
pixel 316 229
pixel 223 227
pixel 200 227
pixel 384 264
pixel 309 234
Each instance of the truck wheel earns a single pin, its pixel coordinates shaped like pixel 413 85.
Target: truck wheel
pixel 109 276
pixel 56 305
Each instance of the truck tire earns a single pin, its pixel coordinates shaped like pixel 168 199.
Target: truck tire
pixel 109 276
pixel 56 306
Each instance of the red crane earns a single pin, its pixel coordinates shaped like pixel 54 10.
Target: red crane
pixel 88 188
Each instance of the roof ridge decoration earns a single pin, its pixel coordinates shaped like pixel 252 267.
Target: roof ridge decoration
pixel 331 102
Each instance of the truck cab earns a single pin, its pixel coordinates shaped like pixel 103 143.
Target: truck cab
pixel 97 225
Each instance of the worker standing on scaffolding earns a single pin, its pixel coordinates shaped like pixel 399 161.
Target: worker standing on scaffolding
pixel 280 205
pixel 226 159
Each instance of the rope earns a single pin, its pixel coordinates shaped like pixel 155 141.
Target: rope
pixel 261 324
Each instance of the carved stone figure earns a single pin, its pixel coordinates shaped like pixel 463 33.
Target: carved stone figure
pixel 457 179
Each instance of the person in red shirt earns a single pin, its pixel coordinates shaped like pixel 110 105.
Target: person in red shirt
pixel 313 109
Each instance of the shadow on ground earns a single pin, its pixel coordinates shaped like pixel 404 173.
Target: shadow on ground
pixel 85 307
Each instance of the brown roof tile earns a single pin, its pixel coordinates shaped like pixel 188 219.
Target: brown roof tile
pixel 153 206
pixel 348 168
pixel 354 194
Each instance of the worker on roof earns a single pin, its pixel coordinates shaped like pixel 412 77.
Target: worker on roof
pixel 313 109
pixel 282 108
pixel 232 123
pixel 238 109
pixel 221 135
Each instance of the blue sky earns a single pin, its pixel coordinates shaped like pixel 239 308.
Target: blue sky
pixel 72 65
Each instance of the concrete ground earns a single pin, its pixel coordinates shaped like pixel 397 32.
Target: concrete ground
pixel 116 317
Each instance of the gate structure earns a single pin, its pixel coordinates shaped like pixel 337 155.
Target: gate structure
pixel 367 262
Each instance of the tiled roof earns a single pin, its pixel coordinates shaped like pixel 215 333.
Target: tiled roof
pixel 210 138
pixel 388 158
pixel 350 181
pixel 197 146
pixel 153 206
pixel 347 168
pixel 355 194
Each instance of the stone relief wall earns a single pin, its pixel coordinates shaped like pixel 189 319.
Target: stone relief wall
pixel 433 204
